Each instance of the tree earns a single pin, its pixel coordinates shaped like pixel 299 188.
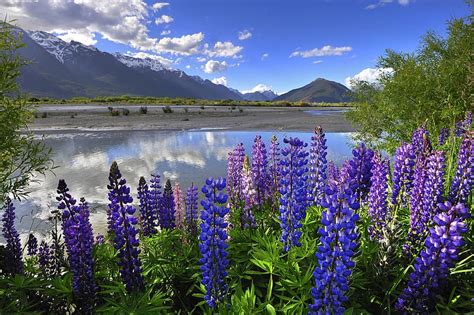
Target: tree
pixel 433 86
pixel 21 155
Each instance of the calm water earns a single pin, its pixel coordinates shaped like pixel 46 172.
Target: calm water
pixel 184 156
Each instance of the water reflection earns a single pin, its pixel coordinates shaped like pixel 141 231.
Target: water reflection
pixel 186 156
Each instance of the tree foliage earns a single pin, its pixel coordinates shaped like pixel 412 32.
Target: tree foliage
pixel 21 155
pixel 432 86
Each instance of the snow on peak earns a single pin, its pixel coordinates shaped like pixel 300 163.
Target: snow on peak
pixel 136 62
pixel 260 88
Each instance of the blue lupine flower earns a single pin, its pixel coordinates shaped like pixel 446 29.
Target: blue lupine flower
pixel 338 238
pixel 294 196
pixel 360 171
pixel 259 170
pixel 463 182
pixel 421 141
pixel 32 245
pixel 191 203
pixel 235 164
pixel 333 173
pixel 124 231
pixel 45 259
pixel 432 266
pixel 443 136
pixel 317 167
pixel 463 125
pixel 13 253
pixel 166 214
pixel 213 238
pixel 378 197
pixel 403 172
pixel 147 215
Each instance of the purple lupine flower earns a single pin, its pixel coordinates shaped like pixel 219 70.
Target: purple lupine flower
pixel 403 172
pixel 259 169
pixel 124 231
pixel 99 239
pixel 167 211
pixel 274 166
pixel 13 260
pixel 147 214
pixel 378 197
pixel 179 205
pixel 32 245
pixel 333 173
pixel 45 259
pixel 317 167
pixel 464 125
pixel 421 141
pixel 192 209
pixel 338 238
pixel 360 171
pixel 213 238
pixel 432 266
pixel 79 240
pixel 234 174
pixel 154 198
pixel 434 185
pixel 443 136
pixel 249 193
pixel 463 181
pixel 293 200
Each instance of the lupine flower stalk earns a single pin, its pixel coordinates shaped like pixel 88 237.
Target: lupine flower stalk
pixel 338 238
pixel 235 164
pixel 167 211
pixel 293 200
pixel 333 173
pixel 179 205
pixel 464 125
pixel 213 238
pixel 249 193
pixel 192 209
pixel 13 260
pixel 359 171
pixel 274 166
pixel 124 231
pixel 462 184
pixel 421 141
pixel 154 198
pixel 403 173
pixel 147 214
pixel 45 259
pixel 431 268
pixel 443 136
pixel 434 185
pixel 378 197
pixel 317 167
pixel 259 169
pixel 32 245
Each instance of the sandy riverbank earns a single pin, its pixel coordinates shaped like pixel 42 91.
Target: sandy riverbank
pixel 76 117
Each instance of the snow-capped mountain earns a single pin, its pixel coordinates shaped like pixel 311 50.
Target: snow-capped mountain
pixel 259 93
pixel 61 70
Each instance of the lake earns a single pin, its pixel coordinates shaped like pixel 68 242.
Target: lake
pixel 183 156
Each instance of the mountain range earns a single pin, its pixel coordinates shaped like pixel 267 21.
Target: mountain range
pixel 61 69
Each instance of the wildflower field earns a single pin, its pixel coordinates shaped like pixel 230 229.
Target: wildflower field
pixel 284 232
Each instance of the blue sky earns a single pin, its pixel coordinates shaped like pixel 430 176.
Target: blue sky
pixel 202 37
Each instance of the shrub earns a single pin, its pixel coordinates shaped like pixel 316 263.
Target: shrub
pixel 115 112
pixel 167 110
pixel 143 110
pixel 125 111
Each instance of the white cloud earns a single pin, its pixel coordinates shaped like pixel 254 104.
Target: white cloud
pixel 245 34
pixel 188 66
pixel 201 59
pixel 370 75
pixel 317 61
pixel 221 81
pixel 321 52
pixel 164 19
pixel 258 88
pixel 143 55
pixel 85 37
pixel 224 49
pixel 159 5
pixel 214 66
pixel 265 56
pixel 165 32
pixel 382 3
pixel 184 45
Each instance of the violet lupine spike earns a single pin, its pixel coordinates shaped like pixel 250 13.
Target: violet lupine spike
pixel 192 209
pixel 249 193
pixel 464 125
pixel 434 186
pixel 431 268
pixel 274 166
pixel 13 260
pixel 443 136
pixel 45 259
pixel 360 171
pixel 421 141
pixel 179 206
pixel 124 231
pixel 66 203
pixel 378 207
pixel 333 173
pixel 338 236
pixel 463 181
pixel 32 245
pixel 167 208
pixel 147 214
pixel 403 173
pixel 259 169
pixel 294 197
pixel 234 174
pixel 317 167
pixel 155 196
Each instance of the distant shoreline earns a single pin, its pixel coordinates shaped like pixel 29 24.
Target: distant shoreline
pixel 54 118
